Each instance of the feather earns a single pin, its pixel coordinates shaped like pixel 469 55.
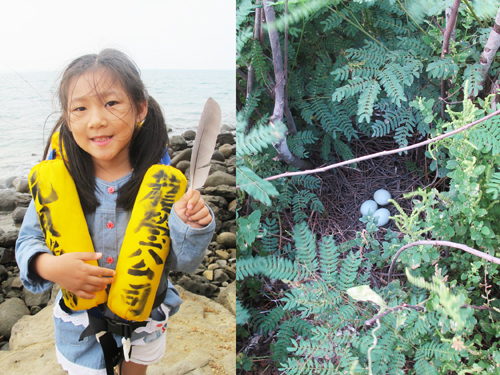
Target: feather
pixel 204 143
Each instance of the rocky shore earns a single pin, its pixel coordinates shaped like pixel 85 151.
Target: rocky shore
pixel 213 279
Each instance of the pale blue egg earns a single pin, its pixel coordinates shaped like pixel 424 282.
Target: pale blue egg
pixel 382 197
pixel 383 216
pixel 368 207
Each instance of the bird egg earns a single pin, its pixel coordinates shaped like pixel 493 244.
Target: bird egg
pixel 368 207
pixel 382 197
pixel 383 216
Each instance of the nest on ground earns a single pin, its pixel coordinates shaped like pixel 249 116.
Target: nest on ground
pixel 344 189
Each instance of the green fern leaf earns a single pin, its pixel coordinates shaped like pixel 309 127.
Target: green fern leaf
pixel 255 186
pixel 442 68
pixel 366 101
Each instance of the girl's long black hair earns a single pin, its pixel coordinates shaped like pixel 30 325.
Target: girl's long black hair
pixel 148 144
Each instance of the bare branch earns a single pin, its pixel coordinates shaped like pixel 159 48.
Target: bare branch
pixel 450 27
pixel 455 245
pixel 385 153
pixel 490 48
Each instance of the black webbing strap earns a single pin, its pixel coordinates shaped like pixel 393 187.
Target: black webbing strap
pixel 113 354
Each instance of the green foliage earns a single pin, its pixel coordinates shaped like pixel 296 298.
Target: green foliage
pixel 372 68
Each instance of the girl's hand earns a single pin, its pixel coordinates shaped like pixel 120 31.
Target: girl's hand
pixel 73 274
pixel 192 210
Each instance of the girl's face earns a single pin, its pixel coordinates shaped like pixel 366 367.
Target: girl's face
pixel 102 119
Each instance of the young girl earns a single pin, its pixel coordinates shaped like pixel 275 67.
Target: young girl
pixel 105 184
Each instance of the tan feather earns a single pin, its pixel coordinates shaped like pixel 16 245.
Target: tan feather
pixel 204 143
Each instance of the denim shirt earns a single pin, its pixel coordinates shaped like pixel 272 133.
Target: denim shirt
pixel 107 226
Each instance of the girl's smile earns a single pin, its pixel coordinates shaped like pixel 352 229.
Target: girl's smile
pixel 102 120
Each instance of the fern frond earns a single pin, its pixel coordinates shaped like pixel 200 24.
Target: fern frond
pixel 270 266
pixel 353 87
pixel 474 74
pixel 390 79
pixel 442 68
pixel 329 255
pixel 306 247
pixel 268 322
pixel 349 271
pixel 242 37
pixel 254 185
pixel 259 138
pixel 366 101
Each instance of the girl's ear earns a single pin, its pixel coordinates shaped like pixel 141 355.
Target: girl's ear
pixel 143 111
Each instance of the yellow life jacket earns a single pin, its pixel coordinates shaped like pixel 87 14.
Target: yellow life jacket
pixel 145 245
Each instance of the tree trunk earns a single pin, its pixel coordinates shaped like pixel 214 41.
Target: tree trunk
pixel 279 89
pixel 491 48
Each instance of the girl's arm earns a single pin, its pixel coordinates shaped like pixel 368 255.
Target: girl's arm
pixel 189 238
pixel 39 267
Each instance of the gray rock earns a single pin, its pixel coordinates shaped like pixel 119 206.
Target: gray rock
pixel 220 275
pixel 227 128
pixel 5 347
pixel 1 232
pixel 21 185
pixel 229 226
pixel 230 271
pixel 8 181
pixel 196 284
pixel 226 150
pixel 10 199
pixel 231 170
pixel 39 299
pixel 217 155
pixel 220 178
pixel 221 262
pixel 227 298
pixel 18 214
pixel 10 312
pixel 183 165
pixel 225 215
pixel 17 283
pixel 184 155
pixel 35 310
pixel 218 201
pixel 224 255
pixel 214 209
pixel 227 239
pixel 217 168
pixel 231 161
pixel 226 191
pixel 177 143
pixel 189 135
pixel 7 255
pixel 3 273
pixel 224 138
pixel 9 238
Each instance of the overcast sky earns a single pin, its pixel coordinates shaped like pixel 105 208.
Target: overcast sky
pixel 158 34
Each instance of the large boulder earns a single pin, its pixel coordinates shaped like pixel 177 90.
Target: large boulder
pixel 10 199
pixel 201 337
pixel 10 312
pixel 227 297
pixel 9 238
pixel 21 185
pixel 177 143
pixel 18 214
pixel 220 178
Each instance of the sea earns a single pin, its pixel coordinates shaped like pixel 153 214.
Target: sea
pixel 29 109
